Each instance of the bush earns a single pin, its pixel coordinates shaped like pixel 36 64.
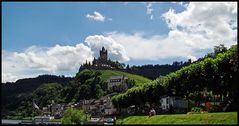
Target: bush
pixel 196 109
pixel 74 116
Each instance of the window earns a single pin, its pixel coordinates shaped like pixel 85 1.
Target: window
pixel 166 100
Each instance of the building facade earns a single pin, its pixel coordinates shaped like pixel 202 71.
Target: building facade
pixel 117 83
pixel 174 104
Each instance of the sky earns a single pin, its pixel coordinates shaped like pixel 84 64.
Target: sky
pixel 57 37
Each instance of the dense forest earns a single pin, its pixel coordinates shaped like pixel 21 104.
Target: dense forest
pixel 216 71
pixel 153 71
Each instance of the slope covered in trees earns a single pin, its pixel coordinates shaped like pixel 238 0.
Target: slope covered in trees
pixel 18 96
pixel 217 72
pixel 154 71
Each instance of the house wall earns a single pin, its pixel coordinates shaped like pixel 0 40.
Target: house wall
pixel 177 103
pixel 118 82
pixel 180 104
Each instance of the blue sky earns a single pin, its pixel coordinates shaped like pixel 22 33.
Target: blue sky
pixel 46 24
pixel 38 35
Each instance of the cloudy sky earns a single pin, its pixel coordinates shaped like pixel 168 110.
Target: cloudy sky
pixel 57 37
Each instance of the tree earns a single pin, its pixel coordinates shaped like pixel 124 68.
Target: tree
pixel 127 67
pixel 217 73
pixel 219 49
pixel 74 116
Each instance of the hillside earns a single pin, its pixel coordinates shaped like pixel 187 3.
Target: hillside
pixel 206 118
pixel 28 85
pixel 153 71
pixel 17 93
pixel 140 80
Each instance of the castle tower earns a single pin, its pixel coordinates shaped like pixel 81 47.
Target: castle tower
pixel 103 54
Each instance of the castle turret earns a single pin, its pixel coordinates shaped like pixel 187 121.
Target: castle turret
pixel 103 54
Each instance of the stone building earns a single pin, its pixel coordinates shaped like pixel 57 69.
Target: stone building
pixel 117 83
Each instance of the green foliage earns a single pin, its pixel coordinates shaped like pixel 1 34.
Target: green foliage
pixel 216 73
pixel 17 97
pixel 48 92
pixel 88 84
pixel 74 116
pixel 154 71
pixel 196 109
pixel 219 49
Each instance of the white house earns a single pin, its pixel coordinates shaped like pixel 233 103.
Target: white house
pixel 178 105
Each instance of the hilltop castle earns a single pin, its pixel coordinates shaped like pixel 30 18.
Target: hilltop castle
pixel 101 62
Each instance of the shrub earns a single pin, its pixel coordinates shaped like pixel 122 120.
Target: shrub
pixel 196 109
pixel 74 116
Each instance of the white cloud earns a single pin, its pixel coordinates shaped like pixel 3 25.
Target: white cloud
pixel 184 4
pixel 115 49
pixel 154 47
pixel 193 58
pixel 149 9
pixel 8 77
pixel 57 58
pixel 96 16
pixel 35 60
pixel 200 26
pixel 42 60
pixel 212 20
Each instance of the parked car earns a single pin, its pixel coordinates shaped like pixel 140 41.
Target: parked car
pixel 109 121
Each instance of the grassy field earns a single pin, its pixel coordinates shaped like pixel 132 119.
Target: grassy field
pixel 138 79
pixel 206 118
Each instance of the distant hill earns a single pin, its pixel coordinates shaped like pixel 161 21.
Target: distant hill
pixel 153 71
pixel 12 91
pixel 30 84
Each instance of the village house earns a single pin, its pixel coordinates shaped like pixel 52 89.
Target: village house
pixel 99 107
pixel 173 104
pixel 58 110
